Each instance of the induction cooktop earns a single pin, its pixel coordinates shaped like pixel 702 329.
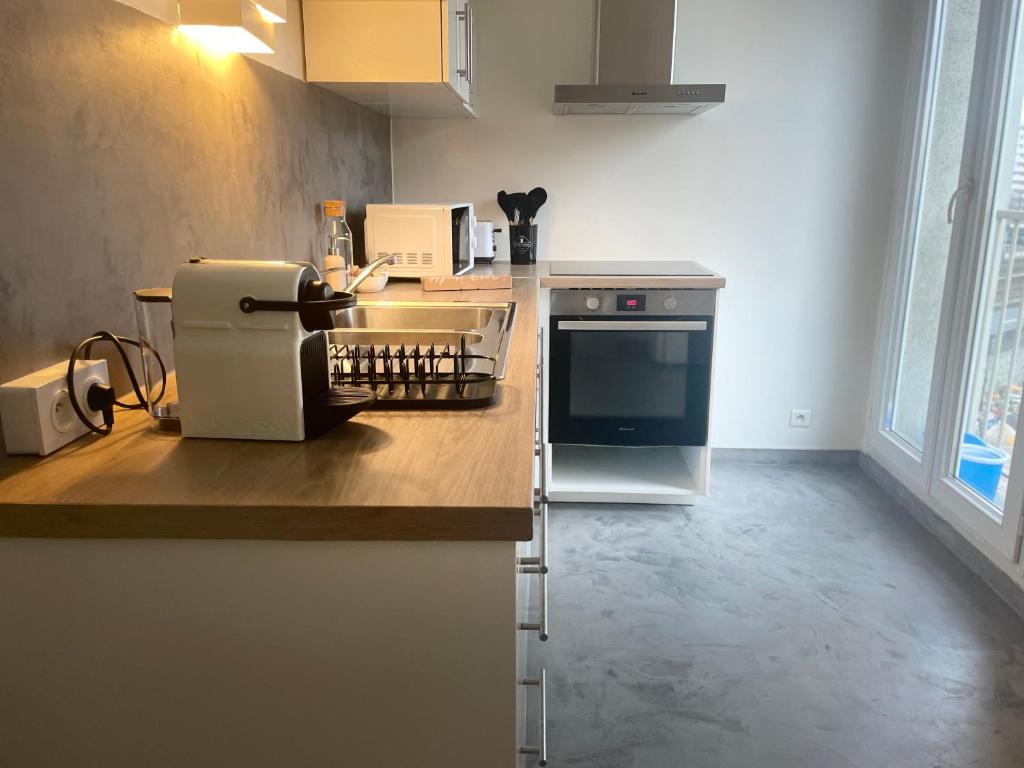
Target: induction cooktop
pixel 629 268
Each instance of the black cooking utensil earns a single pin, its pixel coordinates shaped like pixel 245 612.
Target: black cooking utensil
pixel 521 202
pixel 538 196
pixel 506 205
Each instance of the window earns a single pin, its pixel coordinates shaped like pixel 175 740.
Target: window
pixel 957 36
pixel 952 363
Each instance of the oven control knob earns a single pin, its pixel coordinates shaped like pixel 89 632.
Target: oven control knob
pixel 593 302
pixel 671 303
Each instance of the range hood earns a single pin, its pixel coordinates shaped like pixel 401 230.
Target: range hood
pixel 634 52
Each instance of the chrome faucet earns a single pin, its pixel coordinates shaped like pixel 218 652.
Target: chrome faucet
pixel 368 270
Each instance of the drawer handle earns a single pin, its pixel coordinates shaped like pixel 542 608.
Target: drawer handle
pixel 466 17
pixel 539 564
pixel 540 627
pixel 541 750
pixel 469 43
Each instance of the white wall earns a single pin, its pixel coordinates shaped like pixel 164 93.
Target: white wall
pixel 786 188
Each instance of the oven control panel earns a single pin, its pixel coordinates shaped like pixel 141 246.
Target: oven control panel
pixel 631 302
pixel 606 301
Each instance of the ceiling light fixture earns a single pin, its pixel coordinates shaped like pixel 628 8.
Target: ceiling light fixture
pixel 226 25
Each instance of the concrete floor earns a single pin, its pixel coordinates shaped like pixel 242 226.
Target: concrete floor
pixel 796 619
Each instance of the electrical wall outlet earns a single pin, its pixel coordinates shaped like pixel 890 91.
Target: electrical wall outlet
pixel 800 419
pixel 36 410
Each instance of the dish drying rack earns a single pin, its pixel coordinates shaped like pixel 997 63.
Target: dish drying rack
pixel 416 376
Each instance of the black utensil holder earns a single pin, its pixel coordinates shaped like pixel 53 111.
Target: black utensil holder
pixel 522 241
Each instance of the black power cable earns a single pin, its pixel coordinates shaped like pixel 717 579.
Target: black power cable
pixel 101 397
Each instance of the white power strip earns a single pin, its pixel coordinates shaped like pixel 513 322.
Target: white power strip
pixel 36 410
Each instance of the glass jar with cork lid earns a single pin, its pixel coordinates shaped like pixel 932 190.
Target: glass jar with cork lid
pixel 336 239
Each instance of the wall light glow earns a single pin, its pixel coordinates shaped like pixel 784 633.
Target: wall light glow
pixel 234 26
pixel 225 39
pixel 270 15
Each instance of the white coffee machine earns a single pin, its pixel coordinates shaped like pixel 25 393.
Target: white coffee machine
pixel 250 351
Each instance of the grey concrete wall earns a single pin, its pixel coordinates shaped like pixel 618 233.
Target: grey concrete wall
pixel 125 150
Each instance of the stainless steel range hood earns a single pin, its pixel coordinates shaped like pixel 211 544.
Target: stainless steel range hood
pixel 634 52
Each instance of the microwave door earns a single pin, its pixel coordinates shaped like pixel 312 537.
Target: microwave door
pixel 462 232
pixel 466 238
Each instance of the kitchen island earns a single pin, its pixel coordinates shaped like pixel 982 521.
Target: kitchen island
pixel 349 600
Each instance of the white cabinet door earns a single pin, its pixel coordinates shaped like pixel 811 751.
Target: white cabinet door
pixel 404 58
pixel 368 42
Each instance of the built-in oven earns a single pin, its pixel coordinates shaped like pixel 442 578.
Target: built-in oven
pixel 630 368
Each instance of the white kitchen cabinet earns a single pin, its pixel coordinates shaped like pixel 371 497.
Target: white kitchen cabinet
pixel 403 58
pixel 169 653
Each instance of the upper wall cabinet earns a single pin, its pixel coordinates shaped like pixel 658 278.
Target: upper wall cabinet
pixel 404 58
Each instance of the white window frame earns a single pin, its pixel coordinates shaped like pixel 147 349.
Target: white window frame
pixel 901 458
pixel 965 285
pixel 929 474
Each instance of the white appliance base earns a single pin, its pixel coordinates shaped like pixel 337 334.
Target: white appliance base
pixel 613 474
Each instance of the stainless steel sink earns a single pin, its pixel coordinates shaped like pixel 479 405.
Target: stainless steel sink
pixel 486 328
pixel 409 337
pixel 393 316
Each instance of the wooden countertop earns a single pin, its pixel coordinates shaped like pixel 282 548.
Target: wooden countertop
pixel 385 475
pixel 541 272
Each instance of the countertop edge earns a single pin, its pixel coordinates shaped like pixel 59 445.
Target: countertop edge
pixel 632 283
pixel 261 523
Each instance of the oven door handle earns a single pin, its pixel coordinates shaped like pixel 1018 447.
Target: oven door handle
pixel 632 325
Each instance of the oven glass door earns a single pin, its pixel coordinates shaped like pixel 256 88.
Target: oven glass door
pixel 620 381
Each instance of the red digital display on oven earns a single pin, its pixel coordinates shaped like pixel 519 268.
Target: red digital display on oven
pixel 631 303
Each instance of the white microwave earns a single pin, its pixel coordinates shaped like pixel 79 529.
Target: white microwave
pixel 424 239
